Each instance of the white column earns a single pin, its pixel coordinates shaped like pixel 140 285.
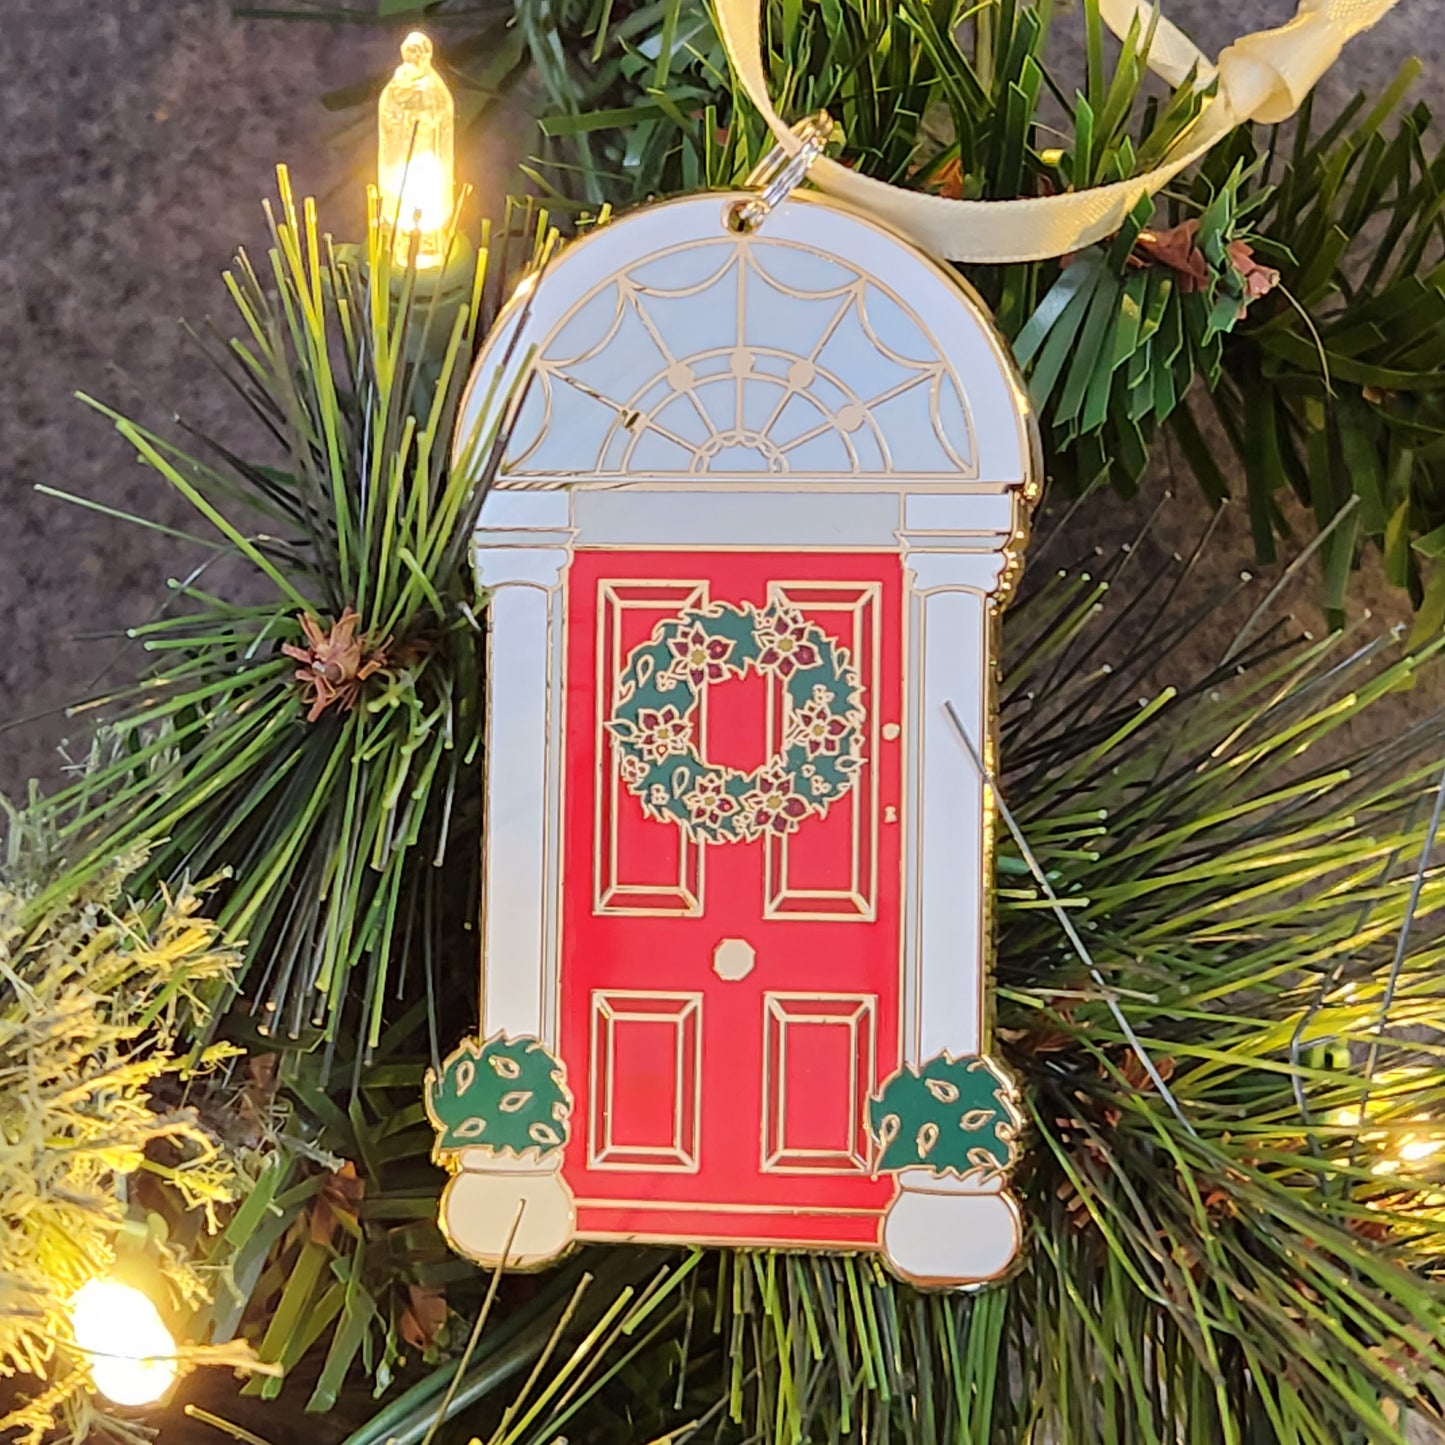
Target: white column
pixel 952 577
pixel 522 810
pixel 941 1230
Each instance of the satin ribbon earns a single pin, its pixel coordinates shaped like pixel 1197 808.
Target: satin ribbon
pixel 1262 77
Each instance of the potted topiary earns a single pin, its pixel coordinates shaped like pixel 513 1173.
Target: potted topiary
pixel 949 1129
pixel 500 1111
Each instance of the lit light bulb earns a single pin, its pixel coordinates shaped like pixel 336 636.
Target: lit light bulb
pixel 1409 1149
pixel 1398 1143
pixel 1412 1150
pixel 414 161
pixel 132 1355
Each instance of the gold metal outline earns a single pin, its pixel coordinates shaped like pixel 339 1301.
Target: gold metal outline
pixel 699 1207
pixel 634 418
pixel 773 742
pixel 723 1241
pixel 555 821
pixel 1029 485
pixel 1026 492
pixel 556 595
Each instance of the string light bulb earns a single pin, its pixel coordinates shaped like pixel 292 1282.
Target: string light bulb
pixel 1403 1146
pixel 131 1353
pixel 415 162
pixel 1411 1147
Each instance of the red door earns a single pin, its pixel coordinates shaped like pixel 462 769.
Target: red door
pixel 727 1007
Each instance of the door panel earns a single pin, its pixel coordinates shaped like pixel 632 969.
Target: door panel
pixel 645 1081
pixel 830 868
pixel 819 1058
pixel 728 1007
pixel 636 871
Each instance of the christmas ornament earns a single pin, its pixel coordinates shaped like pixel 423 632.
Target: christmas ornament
pixel 765 487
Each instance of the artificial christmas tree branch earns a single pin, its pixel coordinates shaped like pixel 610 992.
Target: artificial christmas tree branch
pixel 330 799
pixel 1245 909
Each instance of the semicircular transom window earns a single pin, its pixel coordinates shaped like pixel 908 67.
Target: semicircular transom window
pixel 743 357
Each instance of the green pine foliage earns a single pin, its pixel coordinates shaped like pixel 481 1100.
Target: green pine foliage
pixel 1219 951
pixel 92 992
pixel 328 791
pixel 1332 391
pixel 1231 1257
pixel 1245 1251
pixel 1253 907
pixel 333 1267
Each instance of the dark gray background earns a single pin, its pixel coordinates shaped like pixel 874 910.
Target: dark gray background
pixel 137 139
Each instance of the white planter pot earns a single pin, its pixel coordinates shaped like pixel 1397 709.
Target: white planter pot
pixel 489 1192
pixel 942 1232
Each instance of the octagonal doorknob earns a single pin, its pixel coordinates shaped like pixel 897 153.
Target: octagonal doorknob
pixel 733 959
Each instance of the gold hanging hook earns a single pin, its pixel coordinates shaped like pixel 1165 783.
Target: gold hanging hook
pixel 779 174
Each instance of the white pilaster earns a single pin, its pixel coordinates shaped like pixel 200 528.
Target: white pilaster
pixel 946 939
pixel 523 793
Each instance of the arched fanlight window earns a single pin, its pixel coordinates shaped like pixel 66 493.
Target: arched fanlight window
pixel 654 354
pixel 717 358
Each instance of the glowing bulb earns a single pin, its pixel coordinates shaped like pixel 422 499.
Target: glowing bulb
pixel 1413 1150
pixel 132 1354
pixel 1409 1149
pixel 414 160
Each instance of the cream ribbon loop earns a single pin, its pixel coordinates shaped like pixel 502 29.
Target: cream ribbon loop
pixel 1263 76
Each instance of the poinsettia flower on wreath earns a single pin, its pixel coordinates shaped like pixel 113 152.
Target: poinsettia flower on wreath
pixel 709 802
pixel 662 732
pixel 819 729
pixel 700 657
pixel 782 635
pixel 773 806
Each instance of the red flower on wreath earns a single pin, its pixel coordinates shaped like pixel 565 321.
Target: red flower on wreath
pixel 700 658
pixel 773 806
pixel 661 732
pixel 821 731
pixel 710 802
pixel 783 636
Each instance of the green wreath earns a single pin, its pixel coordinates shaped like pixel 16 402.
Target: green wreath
pixel 653 724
